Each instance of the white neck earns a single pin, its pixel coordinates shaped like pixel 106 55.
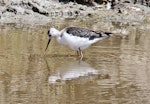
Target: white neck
pixel 58 33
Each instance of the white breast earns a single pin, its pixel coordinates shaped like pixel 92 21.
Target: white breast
pixel 76 42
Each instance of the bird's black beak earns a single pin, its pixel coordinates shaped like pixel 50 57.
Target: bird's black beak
pixel 49 40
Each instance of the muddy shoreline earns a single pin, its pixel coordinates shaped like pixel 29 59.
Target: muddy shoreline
pixel 33 12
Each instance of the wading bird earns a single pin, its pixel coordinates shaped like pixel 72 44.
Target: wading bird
pixel 77 38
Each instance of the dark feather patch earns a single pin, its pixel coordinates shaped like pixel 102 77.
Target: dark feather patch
pixel 83 32
pixel 92 37
pixel 86 33
pixel 108 33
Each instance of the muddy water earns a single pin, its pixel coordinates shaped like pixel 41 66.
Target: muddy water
pixel 113 71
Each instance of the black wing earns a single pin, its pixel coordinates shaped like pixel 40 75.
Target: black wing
pixel 83 32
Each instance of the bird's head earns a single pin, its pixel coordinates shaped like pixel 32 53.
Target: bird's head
pixel 51 33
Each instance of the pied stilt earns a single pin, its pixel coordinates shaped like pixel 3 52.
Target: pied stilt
pixel 77 38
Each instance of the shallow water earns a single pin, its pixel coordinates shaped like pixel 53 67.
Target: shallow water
pixel 113 71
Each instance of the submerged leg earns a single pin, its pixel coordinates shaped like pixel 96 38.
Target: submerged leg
pixel 78 53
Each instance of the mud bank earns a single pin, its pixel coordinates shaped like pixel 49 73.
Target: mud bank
pixel 41 12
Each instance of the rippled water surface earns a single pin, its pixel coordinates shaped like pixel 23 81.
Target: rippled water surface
pixel 113 71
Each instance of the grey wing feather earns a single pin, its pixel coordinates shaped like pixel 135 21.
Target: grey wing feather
pixel 83 32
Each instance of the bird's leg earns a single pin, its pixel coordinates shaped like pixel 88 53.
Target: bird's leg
pixel 80 54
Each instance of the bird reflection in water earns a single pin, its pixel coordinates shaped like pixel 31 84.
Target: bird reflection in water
pixel 72 70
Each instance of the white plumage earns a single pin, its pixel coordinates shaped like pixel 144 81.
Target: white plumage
pixel 77 38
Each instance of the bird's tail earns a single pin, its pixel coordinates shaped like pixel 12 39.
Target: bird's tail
pixel 104 34
pixel 108 33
